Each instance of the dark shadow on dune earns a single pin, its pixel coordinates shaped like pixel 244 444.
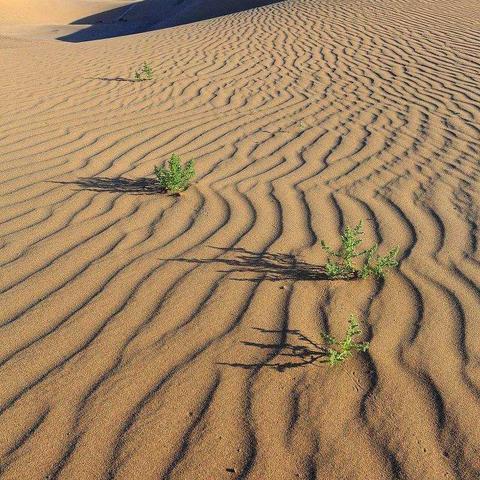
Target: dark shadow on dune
pixel 144 186
pixel 107 17
pixel 266 265
pixel 296 351
pixel 149 15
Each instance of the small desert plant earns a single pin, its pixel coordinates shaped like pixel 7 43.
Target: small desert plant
pixel 344 266
pixel 177 177
pixel 377 266
pixel 145 72
pixel 338 351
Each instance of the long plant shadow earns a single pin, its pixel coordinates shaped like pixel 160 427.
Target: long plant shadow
pixel 143 186
pixel 266 265
pixel 149 15
pixel 298 350
pixel 113 79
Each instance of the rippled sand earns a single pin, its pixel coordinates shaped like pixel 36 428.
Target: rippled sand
pixel 146 336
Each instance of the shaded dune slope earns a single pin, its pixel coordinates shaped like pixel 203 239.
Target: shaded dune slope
pixel 146 336
pixel 149 15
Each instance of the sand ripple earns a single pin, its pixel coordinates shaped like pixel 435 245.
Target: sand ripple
pixel 145 336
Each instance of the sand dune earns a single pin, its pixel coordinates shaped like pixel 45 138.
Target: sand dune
pixel 76 19
pixel 86 20
pixel 148 336
pixel 55 11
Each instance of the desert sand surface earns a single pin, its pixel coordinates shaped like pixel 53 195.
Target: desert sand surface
pixel 152 336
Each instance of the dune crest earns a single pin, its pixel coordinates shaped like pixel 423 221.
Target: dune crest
pixel 148 336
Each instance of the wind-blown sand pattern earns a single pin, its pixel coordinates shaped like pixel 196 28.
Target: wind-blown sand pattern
pixel 146 336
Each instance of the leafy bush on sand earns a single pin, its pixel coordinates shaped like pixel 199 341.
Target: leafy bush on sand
pixel 340 350
pixel 145 72
pixel 341 263
pixel 176 178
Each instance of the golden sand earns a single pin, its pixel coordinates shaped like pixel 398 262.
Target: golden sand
pixel 146 336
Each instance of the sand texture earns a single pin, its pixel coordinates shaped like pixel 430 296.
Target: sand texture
pixel 148 336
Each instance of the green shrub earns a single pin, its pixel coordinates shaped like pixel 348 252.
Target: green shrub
pixel 377 266
pixel 338 351
pixel 177 177
pixel 145 72
pixel 343 266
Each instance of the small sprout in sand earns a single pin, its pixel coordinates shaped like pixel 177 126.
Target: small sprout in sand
pixel 344 267
pixel 338 351
pixel 176 178
pixel 145 72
